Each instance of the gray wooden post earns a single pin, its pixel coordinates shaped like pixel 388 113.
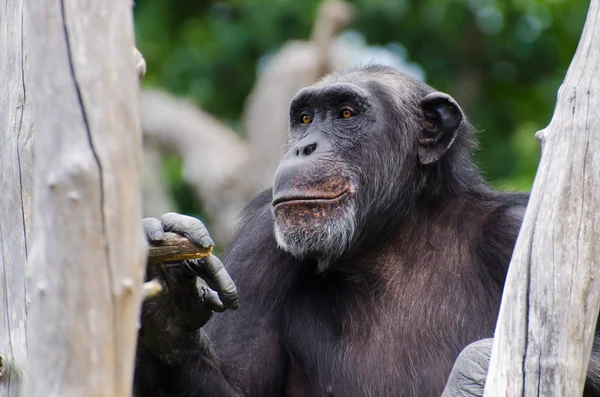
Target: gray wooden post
pixel 87 252
pixel 552 294
pixel 16 167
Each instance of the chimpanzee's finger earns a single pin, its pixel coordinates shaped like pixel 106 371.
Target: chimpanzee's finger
pixel 153 229
pixel 211 298
pixel 188 226
pixel 212 271
pixel 217 278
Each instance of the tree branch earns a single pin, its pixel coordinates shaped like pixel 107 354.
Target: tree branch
pixel 550 303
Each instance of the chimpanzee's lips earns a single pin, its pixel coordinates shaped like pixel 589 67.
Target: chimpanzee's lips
pixel 324 197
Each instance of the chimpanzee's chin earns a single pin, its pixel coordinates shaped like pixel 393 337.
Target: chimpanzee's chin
pixel 323 236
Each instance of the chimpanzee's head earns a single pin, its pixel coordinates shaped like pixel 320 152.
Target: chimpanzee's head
pixel 364 146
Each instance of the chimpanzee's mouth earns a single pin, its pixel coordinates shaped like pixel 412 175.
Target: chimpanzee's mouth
pixel 316 198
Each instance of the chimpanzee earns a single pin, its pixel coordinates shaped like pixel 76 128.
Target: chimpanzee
pixel 378 255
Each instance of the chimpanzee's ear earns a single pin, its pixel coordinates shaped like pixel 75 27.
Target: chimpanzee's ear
pixel 442 119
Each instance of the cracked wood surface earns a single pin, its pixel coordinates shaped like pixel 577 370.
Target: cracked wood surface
pixel 16 167
pixel 550 304
pixel 87 255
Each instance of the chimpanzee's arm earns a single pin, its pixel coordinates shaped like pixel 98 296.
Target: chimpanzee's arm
pixel 191 371
pixel 237 353
pixel 470 371
pixel 171 345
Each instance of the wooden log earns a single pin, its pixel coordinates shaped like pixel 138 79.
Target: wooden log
pixel 16 169
pixel 550 303
pixel 175 248
pixel 88 255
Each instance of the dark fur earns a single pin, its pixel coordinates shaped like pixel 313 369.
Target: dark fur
pixel 424 279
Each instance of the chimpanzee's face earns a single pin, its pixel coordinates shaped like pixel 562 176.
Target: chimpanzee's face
pixel 353 152
pixel 314 199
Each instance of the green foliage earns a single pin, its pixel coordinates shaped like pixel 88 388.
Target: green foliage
pixel 502 60
pixel 209 51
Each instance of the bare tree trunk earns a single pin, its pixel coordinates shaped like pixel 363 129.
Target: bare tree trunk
pixel 550 303
pixel 87 254
pixel 16 166
pixel 215 159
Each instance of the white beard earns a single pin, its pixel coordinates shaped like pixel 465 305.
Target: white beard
pixel 323 240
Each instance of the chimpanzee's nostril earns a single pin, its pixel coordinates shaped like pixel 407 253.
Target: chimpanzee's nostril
pixel 308 149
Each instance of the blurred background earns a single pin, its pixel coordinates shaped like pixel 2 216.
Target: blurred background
pixel 221 75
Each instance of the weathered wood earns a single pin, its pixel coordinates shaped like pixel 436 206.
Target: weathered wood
pixel 16 167
pixel 175 248
pixel 551 299
pixel 87 256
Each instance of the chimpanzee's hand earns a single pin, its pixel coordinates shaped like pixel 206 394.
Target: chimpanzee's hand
pixel 170 319
pixel 469 373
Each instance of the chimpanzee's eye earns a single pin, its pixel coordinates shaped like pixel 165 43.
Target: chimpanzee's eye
pixel 305 119
pixel 346 112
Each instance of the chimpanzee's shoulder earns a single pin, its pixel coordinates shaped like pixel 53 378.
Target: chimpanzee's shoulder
pixel 511 207
pixel 499 232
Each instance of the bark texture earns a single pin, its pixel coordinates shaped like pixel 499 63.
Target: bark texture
pixel 550 303
pixel 16 167
pixel 87 255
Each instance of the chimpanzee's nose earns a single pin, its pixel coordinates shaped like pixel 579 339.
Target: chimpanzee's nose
pixel 307 150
